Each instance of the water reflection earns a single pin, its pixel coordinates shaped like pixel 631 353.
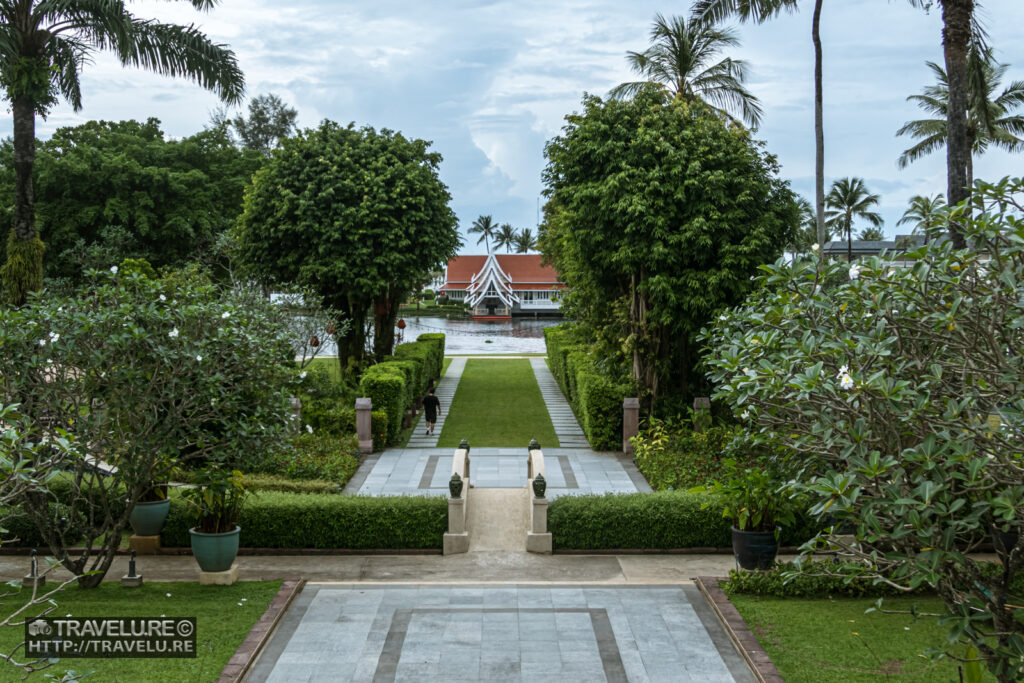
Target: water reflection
pixel 469 337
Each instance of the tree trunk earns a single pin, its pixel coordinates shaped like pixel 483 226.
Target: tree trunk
pixel 384 316
pixel 849 242
pixel 352 345
pixel 23 271
pixel 956 37
pixel 819 128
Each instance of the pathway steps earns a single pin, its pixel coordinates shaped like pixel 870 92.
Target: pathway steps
pixel 567 428
pixel 445 392
pixel 497 519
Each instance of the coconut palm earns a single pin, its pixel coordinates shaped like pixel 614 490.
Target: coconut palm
pixel 926 214
pixel 43 46
pixel 525 242
pixel 807 234
pixel 849 199
pixel 680 60
pixel 871 235
pixel 990 118
pixel 505 237
pixel 485 227
pixel 761 11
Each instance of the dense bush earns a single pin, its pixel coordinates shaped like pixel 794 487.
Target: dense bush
pixel 385 387
pixel 325 402
pixel 273 482
pixel 815 580
pixel 673 456
pixel 294 520
pixel 652 521
pixel 596 400
pixel 397 382
pixel 312 456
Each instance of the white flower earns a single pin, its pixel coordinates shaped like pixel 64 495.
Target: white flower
pixel 225 315
pixel 815 247
pixel 846 382
pixel 54 337
pixel 113 269
pixel 173 334
pixel 239 604
pixel 302 375
pixel 168 595
pixel 68 614
pixel 745 415
pixel 163 298
pixel 845 370
pixel 199 358
pixel 309 429
pixel 749 373
pixel 245 599
pixel 42 342
pixel 854 272
pixel 722 318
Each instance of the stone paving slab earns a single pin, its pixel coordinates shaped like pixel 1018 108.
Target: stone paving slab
pixel 445 392
pixel 567 428
pixel 425 471
pixel 417 632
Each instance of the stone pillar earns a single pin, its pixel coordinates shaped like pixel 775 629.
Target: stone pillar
pixel 630 423
pixel 364 430
pixel 538 538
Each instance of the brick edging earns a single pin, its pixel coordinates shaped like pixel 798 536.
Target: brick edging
pixel 245 656
pixel 269 552
pixel 703 550
pixel 741 636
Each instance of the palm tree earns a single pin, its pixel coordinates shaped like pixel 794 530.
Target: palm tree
pixel 761 11
pixel 505 237
pixel 848 199
pixel 926 214
pixel 485 227
pixel 871 235
pixel 43 46
pixel 990 120
pixel 807 234
pixel 525 242
pixel 679 60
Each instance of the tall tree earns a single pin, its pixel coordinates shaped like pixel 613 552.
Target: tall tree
pixel 485 227
pixel 681 60
pixel 43 46
pixel 761 11
pixel 324 214
pixel 926 214
pixel 871 234
pixel 505 237
pixel 990 117
pixel 648 266
pixel 270 120
pixel 849 199
pixel 806 235
pixel 525 241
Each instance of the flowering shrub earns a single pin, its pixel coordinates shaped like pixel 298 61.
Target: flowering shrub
pixel 900 391
pixel 150 374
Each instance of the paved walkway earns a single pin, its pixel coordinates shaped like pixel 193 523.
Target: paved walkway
pixel 445 392
pixel 567 428
pixel 355 632
pixel 425 471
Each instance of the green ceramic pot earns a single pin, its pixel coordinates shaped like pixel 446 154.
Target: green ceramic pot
pixel 215 552
pixel 148 518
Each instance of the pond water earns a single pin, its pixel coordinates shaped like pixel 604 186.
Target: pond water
pixel 469 337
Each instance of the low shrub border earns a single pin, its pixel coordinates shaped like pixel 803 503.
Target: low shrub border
pixel 272 519
pixel 666 520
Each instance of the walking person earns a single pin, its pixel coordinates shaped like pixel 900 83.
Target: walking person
pixel 431 408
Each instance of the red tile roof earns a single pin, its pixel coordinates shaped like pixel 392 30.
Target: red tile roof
pixel 525 270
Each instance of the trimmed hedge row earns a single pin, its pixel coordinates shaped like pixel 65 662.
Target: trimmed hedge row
pixel 297 520
pixel 664 520
pixel 596 400
pixel 396 383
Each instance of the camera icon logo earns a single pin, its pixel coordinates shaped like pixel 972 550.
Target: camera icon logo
pixel 39 628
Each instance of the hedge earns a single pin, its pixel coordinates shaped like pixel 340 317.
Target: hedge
pixel 437 340
pixel 772 583
pixel 663 520
pixel 385 386
pixel 421 355
pixel 596 400
pixel 296 521
pixel 397 382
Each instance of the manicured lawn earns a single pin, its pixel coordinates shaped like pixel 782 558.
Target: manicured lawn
pixel 329 364
pixel 498 403
pixel 834 641
pixel 224 614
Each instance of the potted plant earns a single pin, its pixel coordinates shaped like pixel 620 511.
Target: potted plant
pixel 150 511
pixel 217 502
pixel 759 505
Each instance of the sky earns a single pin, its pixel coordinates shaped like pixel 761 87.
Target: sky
pixel 489 82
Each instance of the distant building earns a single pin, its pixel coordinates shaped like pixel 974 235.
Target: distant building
pixel 500 286
pixel 837 249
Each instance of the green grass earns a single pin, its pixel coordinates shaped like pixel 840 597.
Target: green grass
pixel 498 403
pixel 330 364
pixel 834 641
pixel 221 626
pixel 444 368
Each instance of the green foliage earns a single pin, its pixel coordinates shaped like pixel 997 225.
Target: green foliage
pixel 756 498
pixel 216 500
pixel 428 362
pixel 658 215
pixel 899 389
pixel 22 272
pixel 292 520
pixel 272 482
pixel 437 339
pixel 354 214
pixel 385 386
pixel 313 456
pixel 596 400
pixel 106 191
pixel 815 579
pixel 673 456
